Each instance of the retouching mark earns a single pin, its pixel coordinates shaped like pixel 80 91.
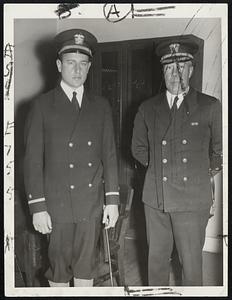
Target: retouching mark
pixel 213 63
pixel 190 21
pixel 211 31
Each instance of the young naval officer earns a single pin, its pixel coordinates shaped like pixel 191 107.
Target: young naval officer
pixel 70 165
pixel 178 136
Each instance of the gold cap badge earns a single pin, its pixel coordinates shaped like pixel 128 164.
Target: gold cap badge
pixel 79 39
pixel 174 48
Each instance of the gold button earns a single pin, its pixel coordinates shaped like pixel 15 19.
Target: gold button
pixel 164 142
pixel 217 169
pixel 185 178
pixel 72 187
pixel 184 142
pixel 90 184
pixel 30 196
pixel 89 143
pixel 70 144
pixel 90 164
pixel 165 160
pixel 71 166
pixel 165 178
pixel 184 160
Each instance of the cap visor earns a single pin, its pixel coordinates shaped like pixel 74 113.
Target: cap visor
pixel 77 49
pixel 175 58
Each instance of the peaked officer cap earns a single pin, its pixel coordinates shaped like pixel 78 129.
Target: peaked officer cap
pixel 176 49
pixel 75 39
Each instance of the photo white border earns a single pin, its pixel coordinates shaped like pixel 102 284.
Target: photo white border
pixel 184 10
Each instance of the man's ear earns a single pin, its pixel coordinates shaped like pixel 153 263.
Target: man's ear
pixel 58 64
pixel 190 70
pixel 89 65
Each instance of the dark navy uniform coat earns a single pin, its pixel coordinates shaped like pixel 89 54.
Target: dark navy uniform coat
pixel 178 154
pixel 70 161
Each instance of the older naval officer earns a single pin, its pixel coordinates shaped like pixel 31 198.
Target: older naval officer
pixel 70 164
pixel 177 136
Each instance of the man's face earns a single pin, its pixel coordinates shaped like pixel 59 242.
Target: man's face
pixel 74 68
pixel 177 76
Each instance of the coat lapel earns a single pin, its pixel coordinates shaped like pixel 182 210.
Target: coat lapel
pixel 85 115
pixel 190 103
pixel 162 116
pixel 62 109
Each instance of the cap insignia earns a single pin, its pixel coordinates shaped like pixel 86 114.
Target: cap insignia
pixel 79 39
pixel 174 48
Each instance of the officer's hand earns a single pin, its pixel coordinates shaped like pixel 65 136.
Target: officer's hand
pixel 110 215
pixel 42 222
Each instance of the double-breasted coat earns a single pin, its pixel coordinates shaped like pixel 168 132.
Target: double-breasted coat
pixel 70 164
pixel 178 153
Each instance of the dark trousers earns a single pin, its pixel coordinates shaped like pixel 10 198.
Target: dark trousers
pixel 72 250
pixel 187 229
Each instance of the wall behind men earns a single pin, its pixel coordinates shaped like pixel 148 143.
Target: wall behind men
pixel 34 68
pixel 207 29
pixel 28 32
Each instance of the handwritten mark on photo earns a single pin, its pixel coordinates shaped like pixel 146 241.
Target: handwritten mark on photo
pixel 150 292
pixel 8 70
pixel 7 243
pixel 9 167
pixel 114 14
pixel 9 192
pixel 9 126
pixel 225 238
pixel 9 149
pixel 64 10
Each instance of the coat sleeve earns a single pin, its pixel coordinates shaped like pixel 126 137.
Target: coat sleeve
pixel 216 137
pixel 33 160
pixel 140 149
pixel 110 159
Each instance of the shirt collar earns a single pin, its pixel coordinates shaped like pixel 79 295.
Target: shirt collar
pixel 171 97
pixel 69 91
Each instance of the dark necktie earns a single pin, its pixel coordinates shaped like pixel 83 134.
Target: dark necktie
pixel 75 102
pixel 174 107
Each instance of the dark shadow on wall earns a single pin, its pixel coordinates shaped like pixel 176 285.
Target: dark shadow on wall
pixel 45 53
pixel 46 56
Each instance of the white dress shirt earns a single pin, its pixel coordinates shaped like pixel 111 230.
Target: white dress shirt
pixel 171 97
pixel 69 91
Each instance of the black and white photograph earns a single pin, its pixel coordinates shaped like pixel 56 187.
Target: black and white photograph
pixel 116 149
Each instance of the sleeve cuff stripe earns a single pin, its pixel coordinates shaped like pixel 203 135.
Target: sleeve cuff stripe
pixel 112 193
pixel 36 200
